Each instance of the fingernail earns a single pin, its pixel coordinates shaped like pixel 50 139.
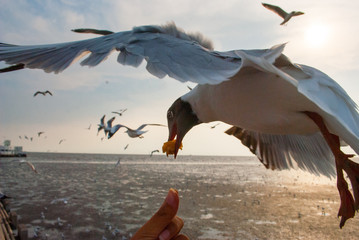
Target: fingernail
pixel 164 235
pixel 171 198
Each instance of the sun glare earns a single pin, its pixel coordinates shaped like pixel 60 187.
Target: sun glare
pixel 317 35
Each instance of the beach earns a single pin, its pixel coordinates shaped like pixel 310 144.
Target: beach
pixel 86 196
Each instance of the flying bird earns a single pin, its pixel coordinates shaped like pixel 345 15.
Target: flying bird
pixel 154 151
pixel 289 115
pixel 120 112
pixel 101 125
pixel 118 162
pixel 133 133
pixel 215 125
pixel 43 93
pixel 39 133
pixel 286 16
pixel 29 164
pixel 108 127
pixel 61 141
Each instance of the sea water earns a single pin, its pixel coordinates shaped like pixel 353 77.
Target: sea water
pixel 94 196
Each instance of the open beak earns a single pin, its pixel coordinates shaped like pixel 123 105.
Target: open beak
pixel 173 133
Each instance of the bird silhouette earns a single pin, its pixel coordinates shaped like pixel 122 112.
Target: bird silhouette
pixel 42 93
pixel 286 16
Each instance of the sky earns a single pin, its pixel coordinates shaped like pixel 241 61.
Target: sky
pixel 325 37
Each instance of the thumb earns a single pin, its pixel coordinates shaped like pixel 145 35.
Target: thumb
pixel 153 227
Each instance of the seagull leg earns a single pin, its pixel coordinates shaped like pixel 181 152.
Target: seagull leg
pixel 342 162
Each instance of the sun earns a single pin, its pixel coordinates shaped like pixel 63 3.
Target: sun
pixel 317 35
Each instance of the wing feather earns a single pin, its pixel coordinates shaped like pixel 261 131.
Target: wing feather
pixel 167 50
pixel 310 153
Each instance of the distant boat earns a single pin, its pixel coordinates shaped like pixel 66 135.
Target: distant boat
pixel 8 151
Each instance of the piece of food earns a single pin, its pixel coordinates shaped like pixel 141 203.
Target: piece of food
pixel 169 147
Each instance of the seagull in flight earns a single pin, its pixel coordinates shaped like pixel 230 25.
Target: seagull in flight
pixel 286 16
pixel 118 162
pixel 120 112
pixel 101 125
pixel 39 133
pixel 154 151
pixel 215 125
pixel 43 93
pixel 29 164
pixel 133 133
pixel 288 115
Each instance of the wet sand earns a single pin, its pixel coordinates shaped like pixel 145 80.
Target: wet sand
pixel 217 201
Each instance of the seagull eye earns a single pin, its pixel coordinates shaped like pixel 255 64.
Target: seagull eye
pixel 170 114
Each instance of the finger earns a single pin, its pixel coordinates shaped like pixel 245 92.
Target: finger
pixel 180 237
pixel 158 222
pixel 172 229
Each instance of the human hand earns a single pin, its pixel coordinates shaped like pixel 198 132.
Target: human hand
pixel 164 224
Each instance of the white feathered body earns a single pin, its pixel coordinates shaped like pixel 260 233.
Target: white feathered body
pixel 264 102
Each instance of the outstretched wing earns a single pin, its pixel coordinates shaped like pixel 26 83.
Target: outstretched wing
pixel 114 129
pixel 109 122
pixel 103 120
pixel 310 153
pixel 167 50
pixel 276 9
pixel 149 124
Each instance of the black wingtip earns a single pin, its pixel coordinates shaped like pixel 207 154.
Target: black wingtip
pixel 12 68
pixel 91 30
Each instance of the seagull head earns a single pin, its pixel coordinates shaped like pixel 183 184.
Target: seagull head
pixel 180 119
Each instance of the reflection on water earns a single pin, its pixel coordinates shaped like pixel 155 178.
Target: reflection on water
pixel 94 198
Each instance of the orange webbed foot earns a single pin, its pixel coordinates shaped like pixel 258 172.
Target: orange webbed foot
pixel 347 209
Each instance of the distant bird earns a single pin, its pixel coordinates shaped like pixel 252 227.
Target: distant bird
pixel 26 137
pixel 31 138
pixel 108 127
pixel 118 162
pixel 20 137
pixel 39 133
pixel 131 132
pixel 215 125
pixel 89 127
pixel 154 151
pixel 101 125
pixel 29 164
pixel 43 93
pixel 125 147
pixel 91 30
pixel 61 141
pixel 120 112
pixel 286 16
